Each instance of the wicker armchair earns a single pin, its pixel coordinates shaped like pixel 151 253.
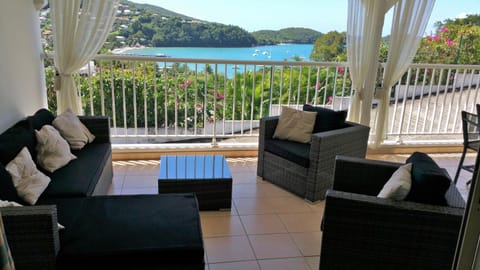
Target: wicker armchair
pixel 311 179
pixel 361 231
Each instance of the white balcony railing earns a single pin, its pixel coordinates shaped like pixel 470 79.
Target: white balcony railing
pixel 158 99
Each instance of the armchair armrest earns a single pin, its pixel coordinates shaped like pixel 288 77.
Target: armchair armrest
pixel 98 126
pixel 32 234
pixel 325 146
pixel 267 129
pixel 362 176
pixel 368 231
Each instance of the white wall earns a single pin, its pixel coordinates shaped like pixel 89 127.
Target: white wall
pixel 22 84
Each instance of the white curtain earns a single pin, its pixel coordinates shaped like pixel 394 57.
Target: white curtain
pixel 80 28
pixel 410 19
pixel 364 33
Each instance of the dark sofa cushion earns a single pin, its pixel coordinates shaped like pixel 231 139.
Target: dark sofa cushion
pixel 7 190
pixel 326 119
pixel 429 181
pixel 118 232
pixel 40 118
pixel 296 152
pixel 14 139
pixel 79 177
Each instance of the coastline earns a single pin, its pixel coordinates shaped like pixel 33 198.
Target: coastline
pixel 125 49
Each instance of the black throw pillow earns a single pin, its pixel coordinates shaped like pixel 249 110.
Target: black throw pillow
pixel 40 118
pixel 429 181
pixel 14 139
pixel 326 119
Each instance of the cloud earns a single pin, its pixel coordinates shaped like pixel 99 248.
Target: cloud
pixel 462 15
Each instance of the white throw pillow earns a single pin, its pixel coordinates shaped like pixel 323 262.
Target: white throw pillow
pixel 295 125
pixel 27 180
pixel 73 130
pixel 399 184
pixel 53 150
pixel 15 204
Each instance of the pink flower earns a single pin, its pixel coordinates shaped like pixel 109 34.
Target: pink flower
pixel 317 86
pixel 182 85
pixel 449 42
pixel 308 103
pixel 199 106
pixel 185 84
pixel 429 38
pixel 436 37
pixel 221 96
pixel 443 29
pixel 340 69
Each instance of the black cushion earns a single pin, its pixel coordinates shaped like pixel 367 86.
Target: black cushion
pixel 296 152
pixel 40 118
pixel 118 232
pixel 80 176
pixel 14 139
pixel 7 190
pixel 429 181
pixel 326 119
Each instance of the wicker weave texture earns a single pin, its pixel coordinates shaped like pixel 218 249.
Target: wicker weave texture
pixel 32 233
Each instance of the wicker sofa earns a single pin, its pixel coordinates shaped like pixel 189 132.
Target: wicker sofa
pixel 361 231
pixel 101 232
pixel 306 169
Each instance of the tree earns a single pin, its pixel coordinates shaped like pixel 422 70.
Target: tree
pixel 329 47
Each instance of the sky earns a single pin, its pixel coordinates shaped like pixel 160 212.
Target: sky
pixel 320 15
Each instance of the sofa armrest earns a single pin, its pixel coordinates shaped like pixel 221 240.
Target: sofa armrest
pixel 362 176
pixel 370 231
pixel 32 234
pixel 98 126
pixel 267 129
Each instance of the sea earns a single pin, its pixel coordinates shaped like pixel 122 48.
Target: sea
pixel 278 52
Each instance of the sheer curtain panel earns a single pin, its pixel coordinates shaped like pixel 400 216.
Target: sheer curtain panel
pixel 364 33
pixel 80 27
pixel 410 18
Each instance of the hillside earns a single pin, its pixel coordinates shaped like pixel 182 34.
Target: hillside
pixel 152 26
pixel 286 35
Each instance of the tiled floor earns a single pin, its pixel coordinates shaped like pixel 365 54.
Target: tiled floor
pixel 267 227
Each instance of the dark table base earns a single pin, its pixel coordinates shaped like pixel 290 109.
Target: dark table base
pixel 211 194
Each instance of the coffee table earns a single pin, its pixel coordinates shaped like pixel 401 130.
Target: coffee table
pixel 207 176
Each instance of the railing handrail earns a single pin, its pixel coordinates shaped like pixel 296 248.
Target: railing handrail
pixel 425 102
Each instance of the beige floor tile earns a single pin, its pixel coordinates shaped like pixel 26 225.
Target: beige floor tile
pixel 270 190
pixel 133 191
pixel 228 225
pixel 290 204
pixel 313 262
pixel 224 212
pixel 244 178
pixel 309 242
pixel 140 181
pixel 114 191
pixel 263 224
pixel 246 265
pixel 250 190
pixel 253 206
pixel 228 249
pixel 117 181
pixel 284 264
pixel 271 246
pixel 302 222
pixel 318 206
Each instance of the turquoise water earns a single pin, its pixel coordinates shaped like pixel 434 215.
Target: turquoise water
pixel 262 53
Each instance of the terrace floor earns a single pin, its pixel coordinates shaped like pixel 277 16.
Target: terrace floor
pixel 267 227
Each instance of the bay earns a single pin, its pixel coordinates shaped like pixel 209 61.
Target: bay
pixel 279 52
